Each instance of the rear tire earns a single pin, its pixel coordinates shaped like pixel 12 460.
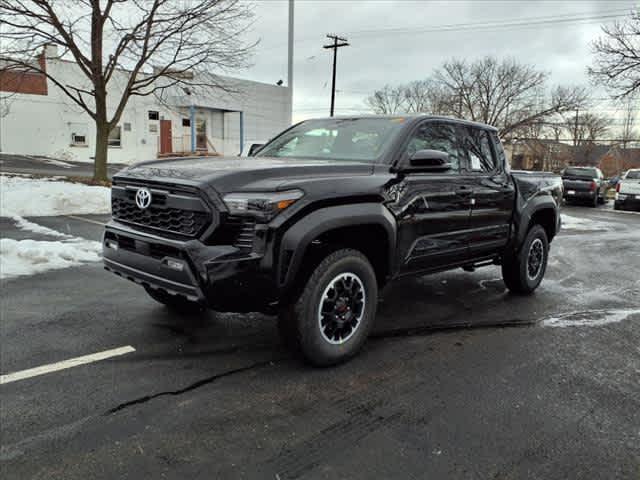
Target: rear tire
pixel 331 318
pixel 523 271
pixel 176 303
pixel 595 201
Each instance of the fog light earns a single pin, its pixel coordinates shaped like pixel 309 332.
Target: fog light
pixel 174 264
pixel 111 244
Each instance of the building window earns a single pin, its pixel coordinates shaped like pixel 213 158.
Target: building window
pixel 127 126
pixel 78 134
pixel 153 115
pixel 114 137
pixel 78 139
pixel 186 122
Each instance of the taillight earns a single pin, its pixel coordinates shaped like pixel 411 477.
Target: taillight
pixel 618 187
pixel 594 185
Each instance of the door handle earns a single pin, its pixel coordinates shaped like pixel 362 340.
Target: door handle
pixel 464 190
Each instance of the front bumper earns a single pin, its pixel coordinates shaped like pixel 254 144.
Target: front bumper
pixel 221 277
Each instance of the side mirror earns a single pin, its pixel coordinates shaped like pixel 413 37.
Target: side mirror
pixel 253 149
pixel 429 161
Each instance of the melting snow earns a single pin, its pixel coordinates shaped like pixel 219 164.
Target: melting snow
pixel 20 196
pixel 26 257
pixel 57 163
pixel 25 224
pixel 569 222
pixel 590 318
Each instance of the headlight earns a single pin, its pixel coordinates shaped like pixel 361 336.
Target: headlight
pixel 621 196
pixel 261 205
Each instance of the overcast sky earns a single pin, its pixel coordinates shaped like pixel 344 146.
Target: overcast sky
pixel 388 47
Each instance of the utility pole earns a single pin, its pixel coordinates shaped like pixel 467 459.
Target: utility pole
pixel 575 130
pixel 337 43
pixel 290 58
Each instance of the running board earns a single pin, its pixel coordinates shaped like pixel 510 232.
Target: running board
pixel 472 266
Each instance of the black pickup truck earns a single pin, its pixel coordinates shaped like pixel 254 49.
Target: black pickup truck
pixel 324 216
pixel 584 184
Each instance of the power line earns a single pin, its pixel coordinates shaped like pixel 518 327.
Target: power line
pixel 498 24
pixel 505 23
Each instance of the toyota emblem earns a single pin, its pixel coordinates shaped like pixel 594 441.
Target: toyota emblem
pixel 143 198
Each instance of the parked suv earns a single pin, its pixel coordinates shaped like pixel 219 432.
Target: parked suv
pixel 584 184
pixel 628 191
pixel 324 216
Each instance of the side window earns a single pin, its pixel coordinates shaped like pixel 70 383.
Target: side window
pixel 500 154
pixel 478 149
pixel 436 136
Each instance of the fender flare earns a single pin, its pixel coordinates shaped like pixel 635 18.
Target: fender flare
pixel 300 235
pixel 529 210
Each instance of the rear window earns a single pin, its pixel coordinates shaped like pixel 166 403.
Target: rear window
pixel 633 175
pixel 581 172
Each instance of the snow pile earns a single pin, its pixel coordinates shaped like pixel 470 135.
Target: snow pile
pixel 44 197
pixel 591 318
pixel 26 257
pixel 25 224
pixel 570 222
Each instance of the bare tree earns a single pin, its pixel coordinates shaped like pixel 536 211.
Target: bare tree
pixel 149 46
pixel 630 111
pixel 507 94
pixel 425 96
pixel 617 57
pixel 387 101
pixel 587 128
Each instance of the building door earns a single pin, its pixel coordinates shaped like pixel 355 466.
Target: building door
pixel 165 137
pixel 201 134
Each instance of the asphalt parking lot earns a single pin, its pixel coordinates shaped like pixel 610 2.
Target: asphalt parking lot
pixel 459 380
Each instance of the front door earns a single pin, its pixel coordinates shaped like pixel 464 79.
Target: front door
pixel 432 209
pixel 201 134
pixel 493 193
pixel 165 137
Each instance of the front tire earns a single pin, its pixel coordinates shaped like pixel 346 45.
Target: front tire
pixel 523 271
pixel 331 318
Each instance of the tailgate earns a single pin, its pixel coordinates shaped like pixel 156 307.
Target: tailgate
pixel 577 184
pixel 630 187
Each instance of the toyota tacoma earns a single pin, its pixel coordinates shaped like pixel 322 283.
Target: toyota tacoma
pixel 326 214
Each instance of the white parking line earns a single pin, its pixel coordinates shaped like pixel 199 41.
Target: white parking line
pixel 72 362
pixel 86 220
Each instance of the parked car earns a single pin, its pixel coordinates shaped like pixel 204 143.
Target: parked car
pixel 324 216
pixel 585 185
pixel 628 191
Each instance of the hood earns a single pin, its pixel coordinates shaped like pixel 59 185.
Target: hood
pixel 226 174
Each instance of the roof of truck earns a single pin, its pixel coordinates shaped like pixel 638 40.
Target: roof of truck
pixel 415 117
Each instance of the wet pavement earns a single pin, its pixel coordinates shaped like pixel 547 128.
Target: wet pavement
pixel 460 379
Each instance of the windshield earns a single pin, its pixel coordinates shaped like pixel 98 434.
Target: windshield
pixel 633 175
pixel 360 139
pixel 580 172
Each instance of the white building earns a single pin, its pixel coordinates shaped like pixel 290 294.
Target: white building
pixel 37 117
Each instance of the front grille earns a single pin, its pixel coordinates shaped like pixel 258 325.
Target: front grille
pixel 236 231
pixel 168 212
